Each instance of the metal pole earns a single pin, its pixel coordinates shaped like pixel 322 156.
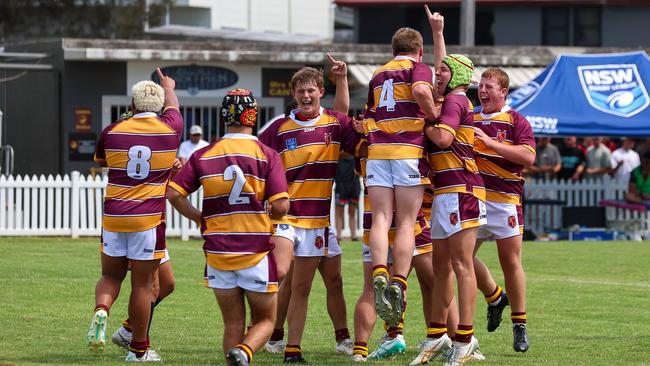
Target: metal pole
pixel 467 19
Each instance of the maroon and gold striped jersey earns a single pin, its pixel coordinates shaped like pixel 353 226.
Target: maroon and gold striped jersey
pixel 238 175
pixel 393 120
pixel 502 178
pixel 454 167
pixel 139 153
pixel 310 154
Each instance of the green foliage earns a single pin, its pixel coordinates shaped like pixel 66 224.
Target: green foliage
pixel 588 304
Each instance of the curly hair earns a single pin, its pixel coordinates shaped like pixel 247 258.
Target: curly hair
pixel 148 96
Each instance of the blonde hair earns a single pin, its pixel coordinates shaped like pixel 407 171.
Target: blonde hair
pixel 406 40
pixel 148 96
pixel 499 75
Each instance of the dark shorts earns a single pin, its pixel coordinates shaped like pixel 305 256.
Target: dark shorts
pixel 348 186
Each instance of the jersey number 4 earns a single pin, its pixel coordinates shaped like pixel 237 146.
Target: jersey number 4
pixel 138 166
pixel 387 96
pixel 234 172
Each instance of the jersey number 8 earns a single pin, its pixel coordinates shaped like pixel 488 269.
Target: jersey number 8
pixel 138 166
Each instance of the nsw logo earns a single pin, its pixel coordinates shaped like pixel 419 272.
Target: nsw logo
pixel 291 143
pixel 614 89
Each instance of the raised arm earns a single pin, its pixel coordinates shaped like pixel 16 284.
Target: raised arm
pixel 437 23
pixel 518 154
pixel 168 84
pixel 342 94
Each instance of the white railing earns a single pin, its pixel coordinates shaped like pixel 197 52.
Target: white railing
pixel 71 205
pixel 540 217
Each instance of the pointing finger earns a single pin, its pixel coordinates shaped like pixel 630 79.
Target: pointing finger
pixel 160 74
pixel 331 59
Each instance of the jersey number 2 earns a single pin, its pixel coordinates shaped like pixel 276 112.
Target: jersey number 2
pixel 234 172
pixel 138 166
pixel 387 96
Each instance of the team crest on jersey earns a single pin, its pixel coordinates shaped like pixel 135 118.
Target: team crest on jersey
pixel 501 135
pixel 291 143
pixel 453 218
pixel 328 138
pixel 318 243
pixel 614 89
pixel 512 221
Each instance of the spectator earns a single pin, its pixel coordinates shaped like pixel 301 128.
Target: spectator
pixel 644 147
pixel 548 161
pixel 195 142
pixel 587 142
pixel 638 190
pixel 573 160
pixel 347 190
pixel 598 160
pixel 611 145
pixel 624 160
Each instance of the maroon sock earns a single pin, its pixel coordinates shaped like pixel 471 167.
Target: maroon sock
pixel 341 334
pixel 278 335
pixel 103 307
pixel 139 348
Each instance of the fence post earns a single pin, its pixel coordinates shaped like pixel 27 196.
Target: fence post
pixel 74 206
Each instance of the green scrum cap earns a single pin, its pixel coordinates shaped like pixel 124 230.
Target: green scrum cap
pixel 462 69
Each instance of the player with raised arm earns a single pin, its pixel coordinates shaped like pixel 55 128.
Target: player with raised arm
pixel 400 99
pixel 458 206
pixel 139 153
pixel 240 177
pixel 309 141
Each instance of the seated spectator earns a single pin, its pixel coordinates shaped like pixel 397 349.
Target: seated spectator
pixel 573 160
pixel 599 161
pixel 548 161
pixel 642 148
pixel 638 190
pixel 624 160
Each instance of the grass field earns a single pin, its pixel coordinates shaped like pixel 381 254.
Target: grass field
pixel 588 304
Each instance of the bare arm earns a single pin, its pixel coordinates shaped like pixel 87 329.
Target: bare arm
pixel 632 195
pixel 183 205
pixel 439 136
pixel 342 95
pixel 168 84
pixel 578 173
pixel 424 98
pixel 279 208
pixel 517 154
pixel 437 22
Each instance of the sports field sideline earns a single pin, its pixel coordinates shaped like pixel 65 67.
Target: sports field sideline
pixel 588 304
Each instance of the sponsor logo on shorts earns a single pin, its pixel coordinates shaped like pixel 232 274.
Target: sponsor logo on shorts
pixel 211 277
pixel 512 221
pixel 414 176
pixel 318 243
pixel 147 250
pixel 370 176
pixel 260 282
pixel 453 218
pixel 291 143
pixel 283 227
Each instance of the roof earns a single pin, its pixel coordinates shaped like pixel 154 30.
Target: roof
pixel 518 75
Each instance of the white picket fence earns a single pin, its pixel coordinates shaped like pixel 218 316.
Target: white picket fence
pixel 542 217
pixel 72 205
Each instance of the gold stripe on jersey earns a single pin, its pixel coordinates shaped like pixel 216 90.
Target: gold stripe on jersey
pixel 244 147
pixel 424 249
pixel 478 192
pixel 180 189
pixel 502 197
pixel 158 160
pixel 307 222
pixel 215 185
pixel 498 118
pixel 530 148
pixel 291 125
pixel 393 151
pixel 232 262
pixel 143 126
pixel 139 192
pixel 447 128
pixel 311 189
pixel 395 65
pixel 394 126
pixel 465 135
pixel 401 92
pixel 488 167
pixel 430 85
pixel 277 196
pixel 312 153
pixel 417 230
pixel 130 223
pixel 445 160
pixel 237 223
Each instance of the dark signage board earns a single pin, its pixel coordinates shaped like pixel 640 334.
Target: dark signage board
pixel 276 82
pixel 81 146
pixel 195 78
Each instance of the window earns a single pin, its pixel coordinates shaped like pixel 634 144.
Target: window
pixel 571 26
